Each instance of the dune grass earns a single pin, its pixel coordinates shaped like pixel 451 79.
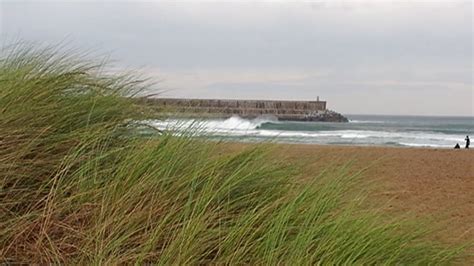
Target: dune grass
pixel 78 187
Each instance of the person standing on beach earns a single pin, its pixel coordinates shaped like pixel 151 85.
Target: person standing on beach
pixel 468 142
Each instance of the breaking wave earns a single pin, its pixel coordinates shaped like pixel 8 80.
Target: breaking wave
pixel 240 129
pixel 231 125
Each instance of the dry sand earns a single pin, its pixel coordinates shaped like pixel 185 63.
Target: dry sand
pixel 436 183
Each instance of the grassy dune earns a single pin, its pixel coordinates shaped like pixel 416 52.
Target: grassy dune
pixel 77 186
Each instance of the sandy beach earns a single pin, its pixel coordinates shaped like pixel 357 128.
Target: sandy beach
pixel 430 183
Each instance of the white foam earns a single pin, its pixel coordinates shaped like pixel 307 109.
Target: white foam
pixel 238 127
pixel 229 125
pixel 366 121
pixel 425 145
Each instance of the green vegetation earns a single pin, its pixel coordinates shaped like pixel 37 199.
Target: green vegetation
pixel 77 187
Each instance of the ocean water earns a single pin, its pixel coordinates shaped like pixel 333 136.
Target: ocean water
pixel 366 130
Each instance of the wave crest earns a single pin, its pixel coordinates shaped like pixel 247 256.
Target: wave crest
pixel 234 123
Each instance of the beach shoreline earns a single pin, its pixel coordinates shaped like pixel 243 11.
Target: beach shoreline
pixel 375 146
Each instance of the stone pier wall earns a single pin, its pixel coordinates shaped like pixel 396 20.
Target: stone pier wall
pixel 283 110
pixel 244 104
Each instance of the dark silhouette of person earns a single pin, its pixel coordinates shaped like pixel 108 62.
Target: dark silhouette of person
pixel 457 146
pixel 468 142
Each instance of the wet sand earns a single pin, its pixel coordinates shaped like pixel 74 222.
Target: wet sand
pixel 435 183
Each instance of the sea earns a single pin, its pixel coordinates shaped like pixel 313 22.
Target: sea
pixel 363 130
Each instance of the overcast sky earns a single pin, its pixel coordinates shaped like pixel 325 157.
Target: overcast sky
pixel 363 57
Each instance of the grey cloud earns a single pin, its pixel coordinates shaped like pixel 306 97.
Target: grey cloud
pixel 397 49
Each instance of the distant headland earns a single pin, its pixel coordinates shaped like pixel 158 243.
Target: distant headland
pixel 220 108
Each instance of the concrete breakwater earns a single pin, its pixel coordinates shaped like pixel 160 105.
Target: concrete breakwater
pixel 282 110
